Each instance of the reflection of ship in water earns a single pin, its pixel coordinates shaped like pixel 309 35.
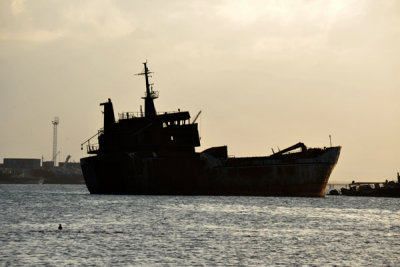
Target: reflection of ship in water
pixel 373 189
pixel 24 170
pixel 154 153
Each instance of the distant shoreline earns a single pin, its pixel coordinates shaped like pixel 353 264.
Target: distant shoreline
pixel 48 180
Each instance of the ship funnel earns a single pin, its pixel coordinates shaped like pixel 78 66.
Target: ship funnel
pixel 109 119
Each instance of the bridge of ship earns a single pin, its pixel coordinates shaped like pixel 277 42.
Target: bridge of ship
pixel 168 119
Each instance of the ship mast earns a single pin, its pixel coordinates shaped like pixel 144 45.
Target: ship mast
pixel 149 108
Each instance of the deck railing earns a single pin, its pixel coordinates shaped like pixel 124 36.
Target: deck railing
pixel 130 115
pixel 92 147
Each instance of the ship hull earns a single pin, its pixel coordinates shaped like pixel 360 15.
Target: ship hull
pixel 198 174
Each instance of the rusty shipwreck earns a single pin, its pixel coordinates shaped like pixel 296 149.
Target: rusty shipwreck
pixel 154 153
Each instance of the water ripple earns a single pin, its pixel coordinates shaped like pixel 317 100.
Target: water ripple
pixel 193 231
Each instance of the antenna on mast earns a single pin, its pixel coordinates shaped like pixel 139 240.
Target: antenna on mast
pixel 149 109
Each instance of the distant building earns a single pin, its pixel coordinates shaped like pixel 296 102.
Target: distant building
pixel 48 164
pixel 20 163
pixel 69 165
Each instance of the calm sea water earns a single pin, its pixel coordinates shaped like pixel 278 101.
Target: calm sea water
pixel 192 231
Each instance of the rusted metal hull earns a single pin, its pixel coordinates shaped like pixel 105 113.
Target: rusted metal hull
pixel 198 174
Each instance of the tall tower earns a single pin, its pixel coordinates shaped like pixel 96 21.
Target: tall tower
pixel 55 123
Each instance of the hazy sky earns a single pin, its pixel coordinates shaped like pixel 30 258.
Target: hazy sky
pixel 264 73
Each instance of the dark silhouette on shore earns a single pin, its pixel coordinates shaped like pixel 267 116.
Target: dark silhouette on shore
pixel 373 189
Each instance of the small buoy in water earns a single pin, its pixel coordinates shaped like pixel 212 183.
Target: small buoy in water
pixel 59 227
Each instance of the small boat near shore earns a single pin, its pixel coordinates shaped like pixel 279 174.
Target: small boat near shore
pixel 371 189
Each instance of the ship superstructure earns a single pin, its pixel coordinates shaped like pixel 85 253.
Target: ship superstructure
pixel 148 132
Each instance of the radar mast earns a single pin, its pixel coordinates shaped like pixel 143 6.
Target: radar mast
pixel 149 108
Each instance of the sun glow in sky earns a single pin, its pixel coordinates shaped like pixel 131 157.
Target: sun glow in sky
pixel 264 73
